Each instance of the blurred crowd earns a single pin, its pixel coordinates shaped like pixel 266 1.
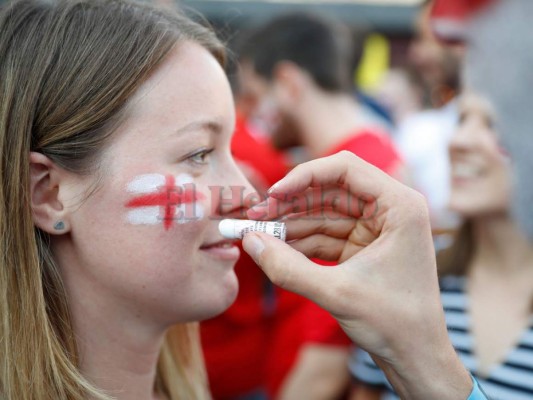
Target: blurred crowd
pixel 302 92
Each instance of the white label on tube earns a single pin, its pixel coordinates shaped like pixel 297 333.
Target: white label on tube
pixel 237 228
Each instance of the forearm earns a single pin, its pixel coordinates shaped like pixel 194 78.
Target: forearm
pixel 441 376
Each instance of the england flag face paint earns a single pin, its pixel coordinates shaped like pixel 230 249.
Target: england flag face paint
pixel 163 199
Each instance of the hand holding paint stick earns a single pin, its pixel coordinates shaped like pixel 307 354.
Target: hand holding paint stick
pixel 237 228
pixel 384 292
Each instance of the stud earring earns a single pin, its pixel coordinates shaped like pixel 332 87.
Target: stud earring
pixel 59 226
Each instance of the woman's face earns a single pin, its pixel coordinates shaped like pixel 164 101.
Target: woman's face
pixel 481 177
pixel 148 236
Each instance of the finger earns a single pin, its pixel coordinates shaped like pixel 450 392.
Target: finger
pixel 331 224
pixel 341 169
pixel 287 267
pixel 320 246
pixel 336 200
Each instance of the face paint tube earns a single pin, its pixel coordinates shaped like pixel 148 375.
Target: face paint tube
pixel 237 228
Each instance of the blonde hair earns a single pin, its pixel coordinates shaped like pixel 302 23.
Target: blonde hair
pixel 67 70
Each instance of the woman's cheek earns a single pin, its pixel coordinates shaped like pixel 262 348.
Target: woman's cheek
pixel 164 199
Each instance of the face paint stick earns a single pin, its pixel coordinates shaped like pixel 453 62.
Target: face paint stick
pixel 237 228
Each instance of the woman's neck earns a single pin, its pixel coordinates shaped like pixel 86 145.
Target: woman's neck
pixel 501 247
pixel 500 288
pixel 118 350
pixel 117 359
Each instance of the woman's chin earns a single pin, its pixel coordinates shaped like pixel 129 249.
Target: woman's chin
pixel 226 296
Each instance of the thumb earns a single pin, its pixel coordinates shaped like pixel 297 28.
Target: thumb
pixel 287 267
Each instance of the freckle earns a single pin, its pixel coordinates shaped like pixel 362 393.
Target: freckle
pixel 143 286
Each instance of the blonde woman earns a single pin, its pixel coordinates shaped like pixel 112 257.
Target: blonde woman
pixel 106 106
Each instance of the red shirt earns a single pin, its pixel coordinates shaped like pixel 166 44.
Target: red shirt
pixel 373 146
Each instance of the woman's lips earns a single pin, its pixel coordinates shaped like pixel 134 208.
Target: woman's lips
pixel 223 249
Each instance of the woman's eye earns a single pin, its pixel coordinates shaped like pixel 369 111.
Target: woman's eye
pixel 200 157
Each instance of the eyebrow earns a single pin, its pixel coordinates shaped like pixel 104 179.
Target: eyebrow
pixel 203 125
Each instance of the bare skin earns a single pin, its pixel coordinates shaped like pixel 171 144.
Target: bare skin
pixel 390 253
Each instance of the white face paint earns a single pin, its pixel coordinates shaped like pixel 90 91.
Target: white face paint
pixel 146 183
pixel 163 199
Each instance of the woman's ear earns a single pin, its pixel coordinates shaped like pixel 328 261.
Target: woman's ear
pixel 49 213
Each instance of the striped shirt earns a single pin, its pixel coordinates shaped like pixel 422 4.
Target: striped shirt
pixel 512 379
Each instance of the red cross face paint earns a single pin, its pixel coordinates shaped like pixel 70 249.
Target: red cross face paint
pixel 163 199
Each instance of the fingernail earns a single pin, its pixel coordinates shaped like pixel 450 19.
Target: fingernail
pixel 274 187
pixel 253 245
pixel 257 206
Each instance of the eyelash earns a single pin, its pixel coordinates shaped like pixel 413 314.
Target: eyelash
pixel 204 153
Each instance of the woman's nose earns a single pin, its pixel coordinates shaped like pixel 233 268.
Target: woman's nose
pixel 236 196
pixel 463 138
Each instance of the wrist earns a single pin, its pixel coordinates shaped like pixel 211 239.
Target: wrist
pixel 433 375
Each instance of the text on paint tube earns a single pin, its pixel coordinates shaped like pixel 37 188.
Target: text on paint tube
pixel 237 228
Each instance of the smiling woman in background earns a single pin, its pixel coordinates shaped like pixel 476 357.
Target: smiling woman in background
pixel 487 274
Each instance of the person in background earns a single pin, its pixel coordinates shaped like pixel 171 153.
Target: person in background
pixel 487 274
pixel 298 67
pixel 437 64
pixel 423 136
pixel 401 92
